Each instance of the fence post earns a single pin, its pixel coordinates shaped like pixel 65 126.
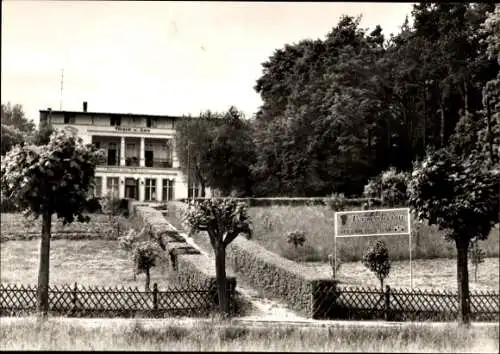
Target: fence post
pixel 155 296
pixel 75 296
pixel 387 302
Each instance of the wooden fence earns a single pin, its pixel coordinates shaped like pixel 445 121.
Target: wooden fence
pixel 111 302
pixel 400 304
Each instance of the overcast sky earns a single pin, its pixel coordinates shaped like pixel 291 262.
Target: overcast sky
pixel 158 57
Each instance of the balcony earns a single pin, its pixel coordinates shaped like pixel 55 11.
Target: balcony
pixel 108 163
pixel 134 162
pixel 159 163
pixel 131 161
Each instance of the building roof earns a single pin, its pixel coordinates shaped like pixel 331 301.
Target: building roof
pixel 112 114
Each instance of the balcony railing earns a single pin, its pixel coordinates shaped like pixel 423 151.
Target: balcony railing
pixel 131 161
pixel 134 162
pixel 159 163
pixel 107 163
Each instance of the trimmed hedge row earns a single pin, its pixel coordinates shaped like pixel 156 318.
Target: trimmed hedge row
pixel 276 276
pixel 254 202
pixel 192 267
pixel 279 277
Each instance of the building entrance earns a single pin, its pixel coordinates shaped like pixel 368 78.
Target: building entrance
pixel 131 188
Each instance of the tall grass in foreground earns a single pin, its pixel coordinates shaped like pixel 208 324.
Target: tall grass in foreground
pixel 272 224
pixel 58 334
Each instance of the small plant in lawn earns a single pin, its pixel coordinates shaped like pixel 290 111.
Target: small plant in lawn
pixel 146 256
pixel 223 220
pixel 335 265
pixel 337 202
pixel 296 238
pixel 477 255
pixel 111 206
pixel 376 259
pixel 268 222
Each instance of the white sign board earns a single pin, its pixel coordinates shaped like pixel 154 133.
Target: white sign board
pixel 378 222
pixel 372 222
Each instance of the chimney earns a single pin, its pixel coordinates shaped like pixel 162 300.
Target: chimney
pixel 85 106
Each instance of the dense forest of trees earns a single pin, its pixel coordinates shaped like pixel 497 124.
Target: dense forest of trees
pixel 339 111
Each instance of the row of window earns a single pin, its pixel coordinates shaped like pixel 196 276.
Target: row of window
pixel 116 121
pixel 132 188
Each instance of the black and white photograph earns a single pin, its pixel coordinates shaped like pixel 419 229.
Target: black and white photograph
pixel 250 176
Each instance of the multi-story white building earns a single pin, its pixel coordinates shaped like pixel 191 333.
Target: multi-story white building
pixel 141 161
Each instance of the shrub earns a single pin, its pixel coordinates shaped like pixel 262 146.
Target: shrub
pixel 390 186
pixel 296 238
pixel 376 259
pixel 337 202
pixel 93 205
pixel 476 256
pixel 146 256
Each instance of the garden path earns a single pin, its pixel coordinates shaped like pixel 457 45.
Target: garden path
pixel 262 307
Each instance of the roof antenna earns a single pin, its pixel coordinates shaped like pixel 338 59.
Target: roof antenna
pixel 62 85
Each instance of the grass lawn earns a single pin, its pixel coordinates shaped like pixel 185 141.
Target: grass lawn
pixel 272 224
pixel 60 334
pixel 15 226
pixel 427 274
pixel 87 262
pixel 433 273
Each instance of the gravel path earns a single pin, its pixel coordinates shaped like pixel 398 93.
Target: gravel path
pixel 262 308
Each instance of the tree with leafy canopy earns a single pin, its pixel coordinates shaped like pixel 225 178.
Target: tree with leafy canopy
pixel 231 152
pixel 460 196
pixel 192 140
pixel 376 259
pixel 146 255
pixel 47 180
pixel 216 150
pixel 15 127
pixel 42 135
pixel 223 220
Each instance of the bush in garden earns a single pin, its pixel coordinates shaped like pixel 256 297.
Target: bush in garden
pixel 390 186
pixel 146 255
pixel 337 202
pixel 477 255
pixel 93 205
pixel 296 238
pixel 376 259
pixel 113 207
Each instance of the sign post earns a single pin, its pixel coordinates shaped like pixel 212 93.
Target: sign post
pixel 377 222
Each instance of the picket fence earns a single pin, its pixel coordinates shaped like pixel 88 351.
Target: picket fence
pixel 124 302
pixel 400 304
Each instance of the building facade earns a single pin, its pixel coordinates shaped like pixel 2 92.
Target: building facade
pixel 140 158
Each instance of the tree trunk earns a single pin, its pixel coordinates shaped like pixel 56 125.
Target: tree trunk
pixel 441 134
pixel 425 118
pixel 475 273
pixel 463 281
pixel 148 278
pixel 43 270
pixel 466 98
pixel 490 135
pixel 220 273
